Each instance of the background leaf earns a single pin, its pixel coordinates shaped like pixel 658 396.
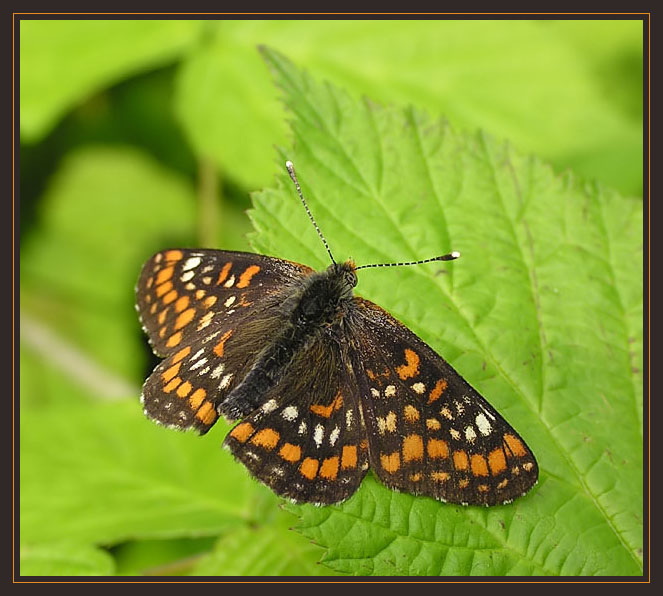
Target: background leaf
pixel 63 65
pixel 542 85
pixel 537 314
pixel 65 559
pixel 94 238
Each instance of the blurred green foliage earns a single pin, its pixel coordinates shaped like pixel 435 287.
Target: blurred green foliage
pixel 137 135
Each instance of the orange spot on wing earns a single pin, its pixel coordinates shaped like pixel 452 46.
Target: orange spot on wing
pixel 329 468
pixel 415 477
pixel 153 308
pixel 184 389
pixel 433 424
pixel 349 457
pixel 242 432
pixel 290 452
pixel 463 483
pixel 363 444
pixel 164 275
pixel 173 255
pixel 183 353
pixel 245 278
pixel 515 445
pixel 197 398
pixel 181 303
pixel 162 331
pixel 437 391
pixel 411 367
pixel 437 448
pixel 482 488
pixel 497 461
pixel 309 468
pixel 267 438
pixel 170 296
pixel 206 414
pixel 371 374
pixel 479 465
pixel 413 448
pixel 164 289
pixel 210 301
pixel 184 319
pixel 391 463
pixel 172 385
pixel 460 460
pixel 162 315
pixel 218 348
pixel 326 411
pixel 174 339
pixel 200 294
pixel 171 372
pixel 224 273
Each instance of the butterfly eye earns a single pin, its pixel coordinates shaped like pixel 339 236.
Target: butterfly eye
pixel 350 278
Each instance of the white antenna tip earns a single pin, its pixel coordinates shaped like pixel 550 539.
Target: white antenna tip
pixel 289 165
pixel 455 254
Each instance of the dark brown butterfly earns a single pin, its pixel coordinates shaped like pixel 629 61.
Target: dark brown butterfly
pixel 325 384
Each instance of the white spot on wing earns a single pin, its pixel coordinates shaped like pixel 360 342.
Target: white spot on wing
pixel 230 282
pixel 216 373
pixel 470 434
pixel 269 406
pixel 318 434
pixel 419 388
pixel 225 381
pixel 375 392
pixel 455 434
pixel 290 413
pixel 198 364
pixel 333 436
pixel 348 419
pixel 228 302
pixel 187 275
pixel 302 428
pixel 191 263
pixel 197 355
pixel 390 391
pixel 483 425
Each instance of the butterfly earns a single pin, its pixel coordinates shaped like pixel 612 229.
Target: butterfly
pixel 323 384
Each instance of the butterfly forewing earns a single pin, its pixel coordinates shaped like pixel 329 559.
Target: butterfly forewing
pixel 307 441
pixel 198 310
pixel 429 431
pixel 182 293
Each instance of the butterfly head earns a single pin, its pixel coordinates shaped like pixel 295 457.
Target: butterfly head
pixel 345 274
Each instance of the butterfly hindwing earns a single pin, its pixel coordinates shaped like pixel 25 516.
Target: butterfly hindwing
pixel 307 441
pixel 182 293
pixel 429 431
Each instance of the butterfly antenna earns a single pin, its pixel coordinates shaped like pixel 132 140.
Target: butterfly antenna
pixel 449 257
pixel 291 171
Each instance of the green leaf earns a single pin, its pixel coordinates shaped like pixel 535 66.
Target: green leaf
pixel 106 211
pixel 57 559
pixel 524 80
pixel 64 62
pixel 269 548
pixel 542 314
pixel 103 473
